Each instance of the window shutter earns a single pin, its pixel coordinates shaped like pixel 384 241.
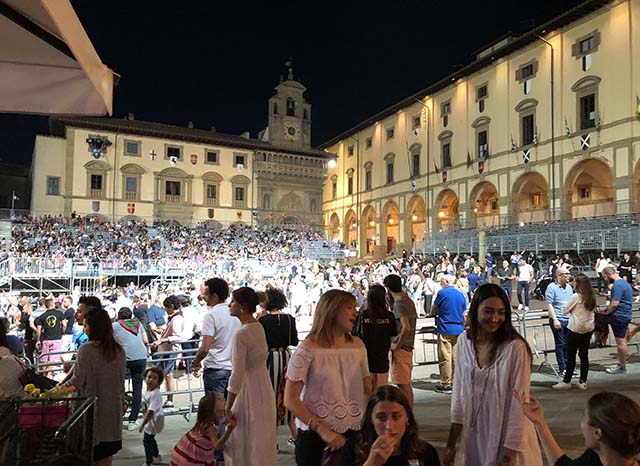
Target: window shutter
pixel 534 67
pixel 596 39
pixel 575 49
pixel 519 75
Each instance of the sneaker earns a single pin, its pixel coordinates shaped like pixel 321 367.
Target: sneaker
pixel 157 459
pixel 618 369
pixel 133 425
pixel 582 386
pixel 291 442
pixel 562 386
pixel 519 307
pixel 445 389
pixel 526 308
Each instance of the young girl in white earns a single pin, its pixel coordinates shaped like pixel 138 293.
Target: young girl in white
pixel 153 421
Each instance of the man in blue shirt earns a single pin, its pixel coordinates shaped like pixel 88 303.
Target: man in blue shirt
pixel 156 319
pixel 449 307
pixel 619 312
pixel 557 295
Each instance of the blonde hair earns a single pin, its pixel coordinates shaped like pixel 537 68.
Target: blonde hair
pixel 327 309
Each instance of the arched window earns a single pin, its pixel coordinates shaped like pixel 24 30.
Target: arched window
pixel 291 107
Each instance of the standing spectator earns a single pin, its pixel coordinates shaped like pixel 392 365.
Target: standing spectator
pixel 525 275
pixel 625 267
pixel 489 264
pixel 153 422
pixel 474 280
pixel 619 312
pixel 156 320
pixel 169 344
pixel 99 371
pixel 601 264
pixel 130 334
pixel 189 332
pixel 141 311
pixel 250 400
pixel 377 329
pixel 506 276
pixel 515 261
pixel 214 354
pixel 50 327
pixel 69 321
pixel 280 330
pixel 493 361
pixel 329 370
pixel 581 308
pixel 448 307
pixel 13 342
pixel 557 296
pixel 402 347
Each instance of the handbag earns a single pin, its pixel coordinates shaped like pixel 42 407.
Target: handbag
pixel 29 376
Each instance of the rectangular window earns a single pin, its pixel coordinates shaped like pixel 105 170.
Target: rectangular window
pixel 445 109
pixel 368 142
pixel 390 133
pixel 334 190
pixel 212 191
pixel 212 156
pixel 367 180
pixel 96 181
pixel 526 71
pixel 588 44
pixel 446 155
pixel 238 160
pixel 416 164
pixel 527 130
pixel 174 152
pixel 416 121
pixel 239 191
pixel 536 199
pixel 172 188
pixel 389 172
pixel 132 148
pixel 53 185
pixel 584 192
pixel 588 111
pixel 350 185
pixel 483 146
pixel 482 92
pixel 131 184
pixel 350 150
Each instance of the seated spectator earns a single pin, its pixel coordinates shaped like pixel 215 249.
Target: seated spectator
pixel 610 427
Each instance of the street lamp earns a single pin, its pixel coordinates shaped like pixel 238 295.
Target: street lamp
pixel 332 163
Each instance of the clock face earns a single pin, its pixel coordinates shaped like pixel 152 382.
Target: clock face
pixel 291 130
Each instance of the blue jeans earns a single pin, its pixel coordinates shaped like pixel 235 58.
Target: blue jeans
pixel 560 340
pixel 523 286
pixel 216 380
pixel 150 447
pixel 507 289
pixel 136 369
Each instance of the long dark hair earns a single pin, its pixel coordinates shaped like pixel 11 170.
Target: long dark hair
pixel 410 445
pixel 207 414
pixel 4 341
pixel 619 419
pixel 101 331
pixel 376 301
pixel 584 288
pixel 506 332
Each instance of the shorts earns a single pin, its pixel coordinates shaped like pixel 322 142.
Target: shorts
pixel 51 346
pixel 619 327
pixel 106 449
pixel 401 366
pixel 169 363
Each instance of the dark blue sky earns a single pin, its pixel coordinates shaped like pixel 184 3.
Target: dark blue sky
pixel 216 63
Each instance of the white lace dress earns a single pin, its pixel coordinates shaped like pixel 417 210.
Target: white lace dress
pixel 253 442
pixel 333 384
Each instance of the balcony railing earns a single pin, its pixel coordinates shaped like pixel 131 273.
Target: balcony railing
pixel 96 193
pixel 173 199
pixel 131 195
pixel 210 202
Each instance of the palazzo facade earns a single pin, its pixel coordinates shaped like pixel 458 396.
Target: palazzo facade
pixel 544 126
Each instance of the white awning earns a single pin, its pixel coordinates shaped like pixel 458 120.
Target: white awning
pixel 47 62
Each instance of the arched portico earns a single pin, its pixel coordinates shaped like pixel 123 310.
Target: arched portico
pixel 589 190
pixel 368 231
pixel 334 227
pixel 484 205
pixel 350 228
pixel 446 214
pixel 530 198
pixel 390 233
pixel 415 223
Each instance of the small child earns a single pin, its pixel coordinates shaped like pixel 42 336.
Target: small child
pixel 153 421
pixel 196 446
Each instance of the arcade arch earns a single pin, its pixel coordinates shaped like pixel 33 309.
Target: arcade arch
pixel 391 218
pixel 446 213
pixel 368 231
pixel 484 204
pixel 530 198
pixel 416 222
pixel 350 228
pixel 589 190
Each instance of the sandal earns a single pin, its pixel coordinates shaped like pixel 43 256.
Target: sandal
pixel 168 404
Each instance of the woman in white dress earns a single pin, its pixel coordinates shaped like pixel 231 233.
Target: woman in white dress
pixel 493 360
pixel 328 382
pixel 250 400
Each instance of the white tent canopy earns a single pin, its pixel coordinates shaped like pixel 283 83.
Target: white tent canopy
pixel 47 62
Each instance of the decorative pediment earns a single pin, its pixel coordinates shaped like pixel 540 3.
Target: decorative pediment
pixel 97 165
pixel 212 176
pixel 132 169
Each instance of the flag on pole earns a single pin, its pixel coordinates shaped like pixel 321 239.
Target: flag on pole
pixel 513 145
pixel 469 161
pixel 15 198
pixel 435 165
pixel 567 129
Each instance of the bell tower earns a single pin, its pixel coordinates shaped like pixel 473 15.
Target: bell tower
pixel 289 114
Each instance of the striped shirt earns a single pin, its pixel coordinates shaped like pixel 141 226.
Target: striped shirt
pixel 193 449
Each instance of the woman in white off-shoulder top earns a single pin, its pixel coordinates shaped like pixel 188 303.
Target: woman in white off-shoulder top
pixel 328 381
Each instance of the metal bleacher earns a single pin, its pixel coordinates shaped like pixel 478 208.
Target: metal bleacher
pixel 617 233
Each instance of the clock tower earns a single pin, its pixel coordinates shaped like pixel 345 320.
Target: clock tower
pixel 289 114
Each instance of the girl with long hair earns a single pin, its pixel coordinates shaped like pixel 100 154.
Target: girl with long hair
pixel 250 399
pixel 581 307
pixel 493 361
pixel 389 434
pixel 376 326
pixel 330 367
pixel 280 330
pixel 610 427
pixel 99 371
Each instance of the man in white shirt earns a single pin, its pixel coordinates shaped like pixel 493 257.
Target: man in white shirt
pixel 191 316
pixel 218 329
pixel 525 275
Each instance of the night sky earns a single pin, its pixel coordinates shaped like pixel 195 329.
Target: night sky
pixel 216 63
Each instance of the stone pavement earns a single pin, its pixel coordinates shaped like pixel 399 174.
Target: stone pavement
pixel 564 410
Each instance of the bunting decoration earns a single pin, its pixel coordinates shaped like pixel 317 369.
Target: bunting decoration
pixel 469 161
